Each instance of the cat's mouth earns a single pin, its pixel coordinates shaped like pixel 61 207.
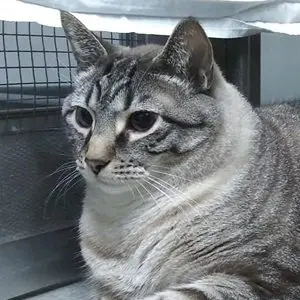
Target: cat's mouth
pixel 115 175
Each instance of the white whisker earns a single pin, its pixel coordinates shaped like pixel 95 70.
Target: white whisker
pixel 65 186
pixel 179 177
pixel 160 190
pixel 171 175
pixel 159 205
pixel 175 192
pixel 59 185
pixel 132 189
pixel 62 168
pixel 161 167
pixel 74 184
pixel 149 192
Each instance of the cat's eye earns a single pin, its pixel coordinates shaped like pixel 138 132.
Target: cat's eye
pixel 142 120
pixel 83 117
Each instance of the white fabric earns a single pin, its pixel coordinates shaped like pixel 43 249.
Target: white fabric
pixel 220 19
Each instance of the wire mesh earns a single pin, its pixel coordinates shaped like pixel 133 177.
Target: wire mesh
pixel 36 70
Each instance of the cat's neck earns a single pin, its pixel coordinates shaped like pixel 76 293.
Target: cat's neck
pixel 114 206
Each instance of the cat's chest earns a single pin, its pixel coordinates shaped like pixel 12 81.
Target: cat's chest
pixel 128 270
pixel 118 276
pixel 127 263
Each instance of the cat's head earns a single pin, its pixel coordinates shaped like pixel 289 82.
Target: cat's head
pixel 141 109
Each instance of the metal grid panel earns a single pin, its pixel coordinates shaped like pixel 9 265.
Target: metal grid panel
pixel 36 70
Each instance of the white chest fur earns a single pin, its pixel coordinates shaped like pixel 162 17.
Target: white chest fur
pixel 123 256
pixel 117 242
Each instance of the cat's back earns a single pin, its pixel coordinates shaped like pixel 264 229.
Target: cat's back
pixel 284 119
pixel 284 113
pixel 279 154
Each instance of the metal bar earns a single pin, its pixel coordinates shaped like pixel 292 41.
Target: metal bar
pixel 15 113
pixel 20 72
pixel 32 61
pixel 41 83
pixel 5 70
pixel 57 62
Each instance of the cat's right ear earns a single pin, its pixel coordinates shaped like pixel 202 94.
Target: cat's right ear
pixel 188 52
pixel 87 48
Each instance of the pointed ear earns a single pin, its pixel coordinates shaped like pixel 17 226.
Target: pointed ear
pixel 188 52
pixel 86 47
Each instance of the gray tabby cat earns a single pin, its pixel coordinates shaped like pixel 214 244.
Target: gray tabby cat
pixel 215 209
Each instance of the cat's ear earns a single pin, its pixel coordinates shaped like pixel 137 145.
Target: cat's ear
pixel 188 52
pixel 87 47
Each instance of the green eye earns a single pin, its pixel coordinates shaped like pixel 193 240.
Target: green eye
pixel 83 117
pixel 142 121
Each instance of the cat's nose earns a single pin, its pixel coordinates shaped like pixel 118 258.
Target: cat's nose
pixel 96 165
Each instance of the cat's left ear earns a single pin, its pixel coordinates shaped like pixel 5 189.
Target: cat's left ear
pixel 188 52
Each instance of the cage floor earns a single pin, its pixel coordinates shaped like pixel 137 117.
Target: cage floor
pixel 76 291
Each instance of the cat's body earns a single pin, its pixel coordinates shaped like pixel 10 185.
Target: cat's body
pixel 217 215
pixel 138 255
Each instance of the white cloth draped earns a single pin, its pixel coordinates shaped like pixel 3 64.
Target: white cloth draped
pixel 220 19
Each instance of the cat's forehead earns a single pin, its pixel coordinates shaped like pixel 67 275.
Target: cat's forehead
pixel 119 73
pixel 105 85
pixel 121 82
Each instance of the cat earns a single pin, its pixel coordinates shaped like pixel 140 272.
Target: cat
pixel 190 192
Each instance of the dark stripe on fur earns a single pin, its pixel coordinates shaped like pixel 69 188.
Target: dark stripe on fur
pixel 108 68
pixel 184 125
pixel 122 139
pixel 122 86
pixel 88 96
pixel 87 139
pixel 126 85
pixel 129 96
pixel 99 91
pixel 117 91
pixel 157 147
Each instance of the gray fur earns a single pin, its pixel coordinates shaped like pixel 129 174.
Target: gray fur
pixel 215 213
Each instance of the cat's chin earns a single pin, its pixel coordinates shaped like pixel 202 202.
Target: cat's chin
pixel 112 188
